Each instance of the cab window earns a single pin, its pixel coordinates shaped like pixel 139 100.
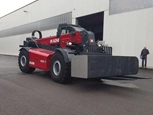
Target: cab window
pixel 63 31
pixel 70 30
pixel 67 30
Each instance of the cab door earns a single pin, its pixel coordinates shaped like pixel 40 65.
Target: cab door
pixel 65 36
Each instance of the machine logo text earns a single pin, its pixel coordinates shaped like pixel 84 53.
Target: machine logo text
pixel 54 40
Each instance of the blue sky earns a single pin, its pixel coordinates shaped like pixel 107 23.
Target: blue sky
pixel 7 6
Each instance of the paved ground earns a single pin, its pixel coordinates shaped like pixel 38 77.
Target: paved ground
pixel 37 94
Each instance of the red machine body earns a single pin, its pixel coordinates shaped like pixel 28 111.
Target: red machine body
pixel 41 58
pixel 62 41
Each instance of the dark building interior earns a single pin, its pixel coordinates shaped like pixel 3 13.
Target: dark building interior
pixel 94 23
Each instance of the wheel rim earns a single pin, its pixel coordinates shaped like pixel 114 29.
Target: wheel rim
pixel 57 67
pixel 23 60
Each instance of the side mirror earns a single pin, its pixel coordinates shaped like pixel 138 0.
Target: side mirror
pixel 73 33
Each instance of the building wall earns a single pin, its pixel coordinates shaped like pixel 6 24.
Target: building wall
pixel 129 32
pixel 86 7
pixel 37 11
pixel 126 32
pixel 41 10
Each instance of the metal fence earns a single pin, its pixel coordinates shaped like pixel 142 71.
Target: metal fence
pixel 102 49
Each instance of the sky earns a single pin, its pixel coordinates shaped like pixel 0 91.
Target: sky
pixel 7 6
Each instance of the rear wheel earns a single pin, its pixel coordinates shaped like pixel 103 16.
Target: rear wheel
pixel 23 61
pixel 60 70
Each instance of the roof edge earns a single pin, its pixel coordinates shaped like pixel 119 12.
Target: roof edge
pixel 18 9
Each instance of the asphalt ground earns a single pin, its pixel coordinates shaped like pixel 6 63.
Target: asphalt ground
pixel 37 94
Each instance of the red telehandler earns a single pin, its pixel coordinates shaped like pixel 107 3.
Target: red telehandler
pixel 73 52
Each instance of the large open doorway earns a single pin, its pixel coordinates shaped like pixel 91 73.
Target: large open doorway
pixel 94 23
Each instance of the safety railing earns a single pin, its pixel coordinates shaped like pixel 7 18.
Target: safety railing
pixel 100 49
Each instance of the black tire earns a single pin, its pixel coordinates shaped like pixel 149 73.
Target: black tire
pixel 60 70
pixel 23 61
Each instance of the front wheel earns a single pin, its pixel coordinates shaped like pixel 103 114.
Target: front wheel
pixel 60 70
pixel 23 61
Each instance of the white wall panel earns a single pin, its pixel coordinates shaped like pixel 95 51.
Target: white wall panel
pixel 85 7
pixel 129 32
pixel 10 45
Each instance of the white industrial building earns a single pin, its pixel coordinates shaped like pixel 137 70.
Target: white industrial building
pixel 126 25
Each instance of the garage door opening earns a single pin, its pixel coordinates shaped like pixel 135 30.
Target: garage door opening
pixel 94 23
